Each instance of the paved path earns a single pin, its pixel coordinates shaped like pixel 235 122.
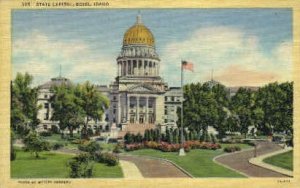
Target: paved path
pixel 259 162
pixel 240 161
pixel 154 168
pixel 130 170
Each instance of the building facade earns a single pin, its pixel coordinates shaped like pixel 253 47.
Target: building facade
pixel 139 98
pixel 137 95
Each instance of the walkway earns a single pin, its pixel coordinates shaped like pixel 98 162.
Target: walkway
pixel 240 161
pixel 130 170
pixel 259 162
pixel 154 168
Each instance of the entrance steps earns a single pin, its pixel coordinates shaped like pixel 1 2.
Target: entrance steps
pixel 134 128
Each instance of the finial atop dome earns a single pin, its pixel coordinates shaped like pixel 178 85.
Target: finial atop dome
pixel 139 18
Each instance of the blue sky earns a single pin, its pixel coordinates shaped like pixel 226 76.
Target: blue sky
pixel 242 46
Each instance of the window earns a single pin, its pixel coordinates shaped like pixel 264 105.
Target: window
pixel 114 111
pixel 45 127
pixel 114 98
pixel 172 99
pixel 166 98
pixel 46 117
pixel 45 96
pixel 114 120
pixel 46 105
pixel 166 111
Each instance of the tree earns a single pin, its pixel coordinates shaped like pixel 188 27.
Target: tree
pixel 35 144
pixel 276 102
pixel 24 107
pixel 242 104
pixel 128 138
pixel 146 135
pixel 67 108
pixel 203 105
pixel 93 104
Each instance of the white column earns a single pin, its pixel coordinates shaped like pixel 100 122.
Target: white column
pixel 142 68
pixel 146 117
pixel 131 70
pixel 126 67
pixel 137 109
pixel 128 103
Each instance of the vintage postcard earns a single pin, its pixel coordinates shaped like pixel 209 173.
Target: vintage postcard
pixel 149 93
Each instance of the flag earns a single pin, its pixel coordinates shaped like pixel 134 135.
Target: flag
pixel 187 66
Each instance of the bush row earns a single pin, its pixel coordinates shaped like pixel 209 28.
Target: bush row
pixel 166 147
pixel 172 136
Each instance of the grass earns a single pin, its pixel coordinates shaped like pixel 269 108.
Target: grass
pixel 53 165
pixel 198 162
pixel 283 160
pixel 56 138
pixel 108 147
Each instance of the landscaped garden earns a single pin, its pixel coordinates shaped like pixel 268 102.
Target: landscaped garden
pixel 54 165
pixel 198 162
pixel 283 160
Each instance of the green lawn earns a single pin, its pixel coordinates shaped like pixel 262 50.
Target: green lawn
pixel 108 147
pixel 56 138
pixel 198 162
pixel 283 160
pixel 53 165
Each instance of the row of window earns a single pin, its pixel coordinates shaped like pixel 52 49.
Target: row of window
pixel 172 99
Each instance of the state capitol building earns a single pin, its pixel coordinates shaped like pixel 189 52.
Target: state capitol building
pixel 139 97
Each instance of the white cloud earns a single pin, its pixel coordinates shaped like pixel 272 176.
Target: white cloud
pixel 221 47
pixel 41 56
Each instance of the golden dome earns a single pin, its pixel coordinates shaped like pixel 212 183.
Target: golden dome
pixel 138 34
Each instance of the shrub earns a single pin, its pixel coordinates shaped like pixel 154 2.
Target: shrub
pixel 151 144
pixel 35 144
pixel 107 158
pixel 54 129
pixel 187 149
pixel 237 148
pixel 117 149
pixel 81 166
pixel 128 138
pixel 57 146
pixel 90 147
pixel 132 147
pixel 45 133
pixel 249 142
pixel 78 141
pixel 230 149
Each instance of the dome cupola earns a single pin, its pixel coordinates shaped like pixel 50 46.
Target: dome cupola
pixel 138 34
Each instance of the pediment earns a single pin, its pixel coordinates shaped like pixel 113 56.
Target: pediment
pixel 142 88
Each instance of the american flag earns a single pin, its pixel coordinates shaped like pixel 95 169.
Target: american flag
pixel 187 66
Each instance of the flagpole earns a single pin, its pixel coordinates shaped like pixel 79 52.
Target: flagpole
pixel 181 151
